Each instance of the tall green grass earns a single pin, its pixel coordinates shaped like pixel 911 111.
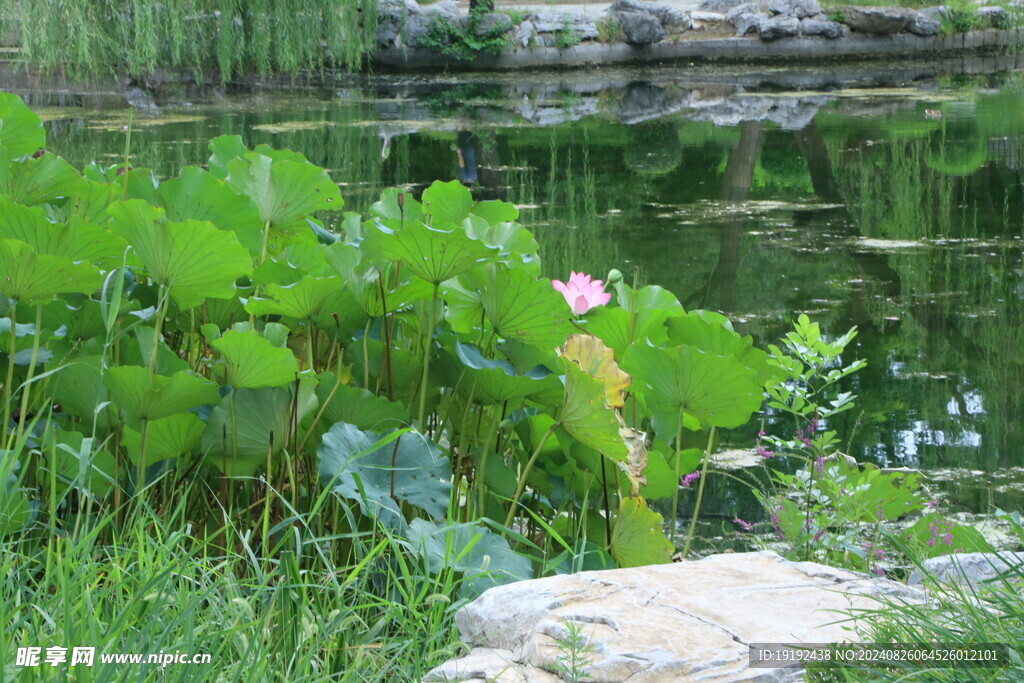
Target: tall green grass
pixel 228 38
pixel 142 578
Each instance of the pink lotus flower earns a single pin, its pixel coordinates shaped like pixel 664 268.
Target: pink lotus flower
pixel 582 293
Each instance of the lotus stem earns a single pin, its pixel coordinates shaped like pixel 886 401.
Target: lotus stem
pixel 700 492
pixel 426 358
pixel 31 372
pixel 675 491
pixel 526 471
pixel 8 394
pixel 492 431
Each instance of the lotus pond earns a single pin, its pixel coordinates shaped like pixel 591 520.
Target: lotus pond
pixel 275 327
pixel 895 209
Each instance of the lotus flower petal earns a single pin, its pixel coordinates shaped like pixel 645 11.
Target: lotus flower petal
pixel 582 292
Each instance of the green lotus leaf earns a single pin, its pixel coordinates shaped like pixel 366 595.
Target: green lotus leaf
pixel 432 254
pixel 283 190
pixel 79 389
pixel 365 283
pixel 15 511
pixel 406 367
pixel 612 326
pixel 361 466
pixel 30 277
pixel 139 353
pixel 251 361
pixel 193 259
pixel 91 202
pixel 519 306
pixel 21 131
pixel 717 390
pixel 249 423
pixel 496 381
pixel 495 211
pixel 78 241
pixel 168 438
pixel 387 207
pixel 197 195
pixel 447 202
pixel 515 244
pixel 713 333
pixel 150 397
pixel 587 416
pixel 223 149
pixel 359 407
pixel 302 300
pixel 637 539
pixel 650 298
pixel 483 558
pixel 78 465
pixel 661 478
pixel 46 179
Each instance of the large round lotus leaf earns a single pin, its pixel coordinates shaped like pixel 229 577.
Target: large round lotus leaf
pixel 78 240
pixel 302 300
pixel 80 392
pixel 387 207
pixel 367 467
pixel 283 190
pixel 637 539
pixel 356 406
pixel 250 422
pixel 197 195
pixel 518 306
pixel 193 259
pixel 432 254
pixel 447 202
pixel 587 416
pixel 612 326
pixel 713 333
pixel 496 381
pixel 15 511
pixel 150 397
pixel 77 464
pixel 21 131
pixel 46 179
pixel 168 438
pixel 597 360
pixel 251 361
pixel 31 277
pixel 515 245
pixel 483 558
pixel 717 390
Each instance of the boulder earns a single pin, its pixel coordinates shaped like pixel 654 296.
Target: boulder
pixel 526 34
pixel 748 21
pixel 391 16
pixel 700 19
pixel 556 21
pixel 640 28
pixel 795 8
pixel 779 26
pixel 670 17
pixel 493 23
pixel 923 25
pixel 992 16
pixel 972 569
pixel 881 20
pixel 676 622
pixel 745 8
pixel 813 26
pixel 417 25
pixel 720 6
pixel 938 12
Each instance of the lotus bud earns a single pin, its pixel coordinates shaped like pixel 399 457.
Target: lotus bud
pixel 614 276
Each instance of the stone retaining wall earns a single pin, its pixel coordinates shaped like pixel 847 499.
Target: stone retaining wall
pixel 726 50
pixel 631 31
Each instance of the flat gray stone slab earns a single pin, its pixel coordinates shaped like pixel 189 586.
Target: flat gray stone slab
pixel 678 622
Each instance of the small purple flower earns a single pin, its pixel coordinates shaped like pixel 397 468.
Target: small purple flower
pixel 930 542
pixel 880 513
pixel 813 428
pixel 763 452
pixel 878 571
pixel 819 464
pixel 760 434
pixel 817 536
pixel 690 478
pixel 746 526
pixel 931 504
pixel 947 539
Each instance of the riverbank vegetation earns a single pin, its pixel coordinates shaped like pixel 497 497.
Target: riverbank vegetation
pixel 221 39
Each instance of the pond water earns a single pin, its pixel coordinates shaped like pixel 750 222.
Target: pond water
pixel 889 200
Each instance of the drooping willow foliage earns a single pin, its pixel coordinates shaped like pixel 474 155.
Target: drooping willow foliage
pixel 227 38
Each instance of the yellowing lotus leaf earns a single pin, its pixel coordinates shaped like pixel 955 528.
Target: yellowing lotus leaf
pixel 591 355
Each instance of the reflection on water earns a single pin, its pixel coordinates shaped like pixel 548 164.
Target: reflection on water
pixel 859 200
